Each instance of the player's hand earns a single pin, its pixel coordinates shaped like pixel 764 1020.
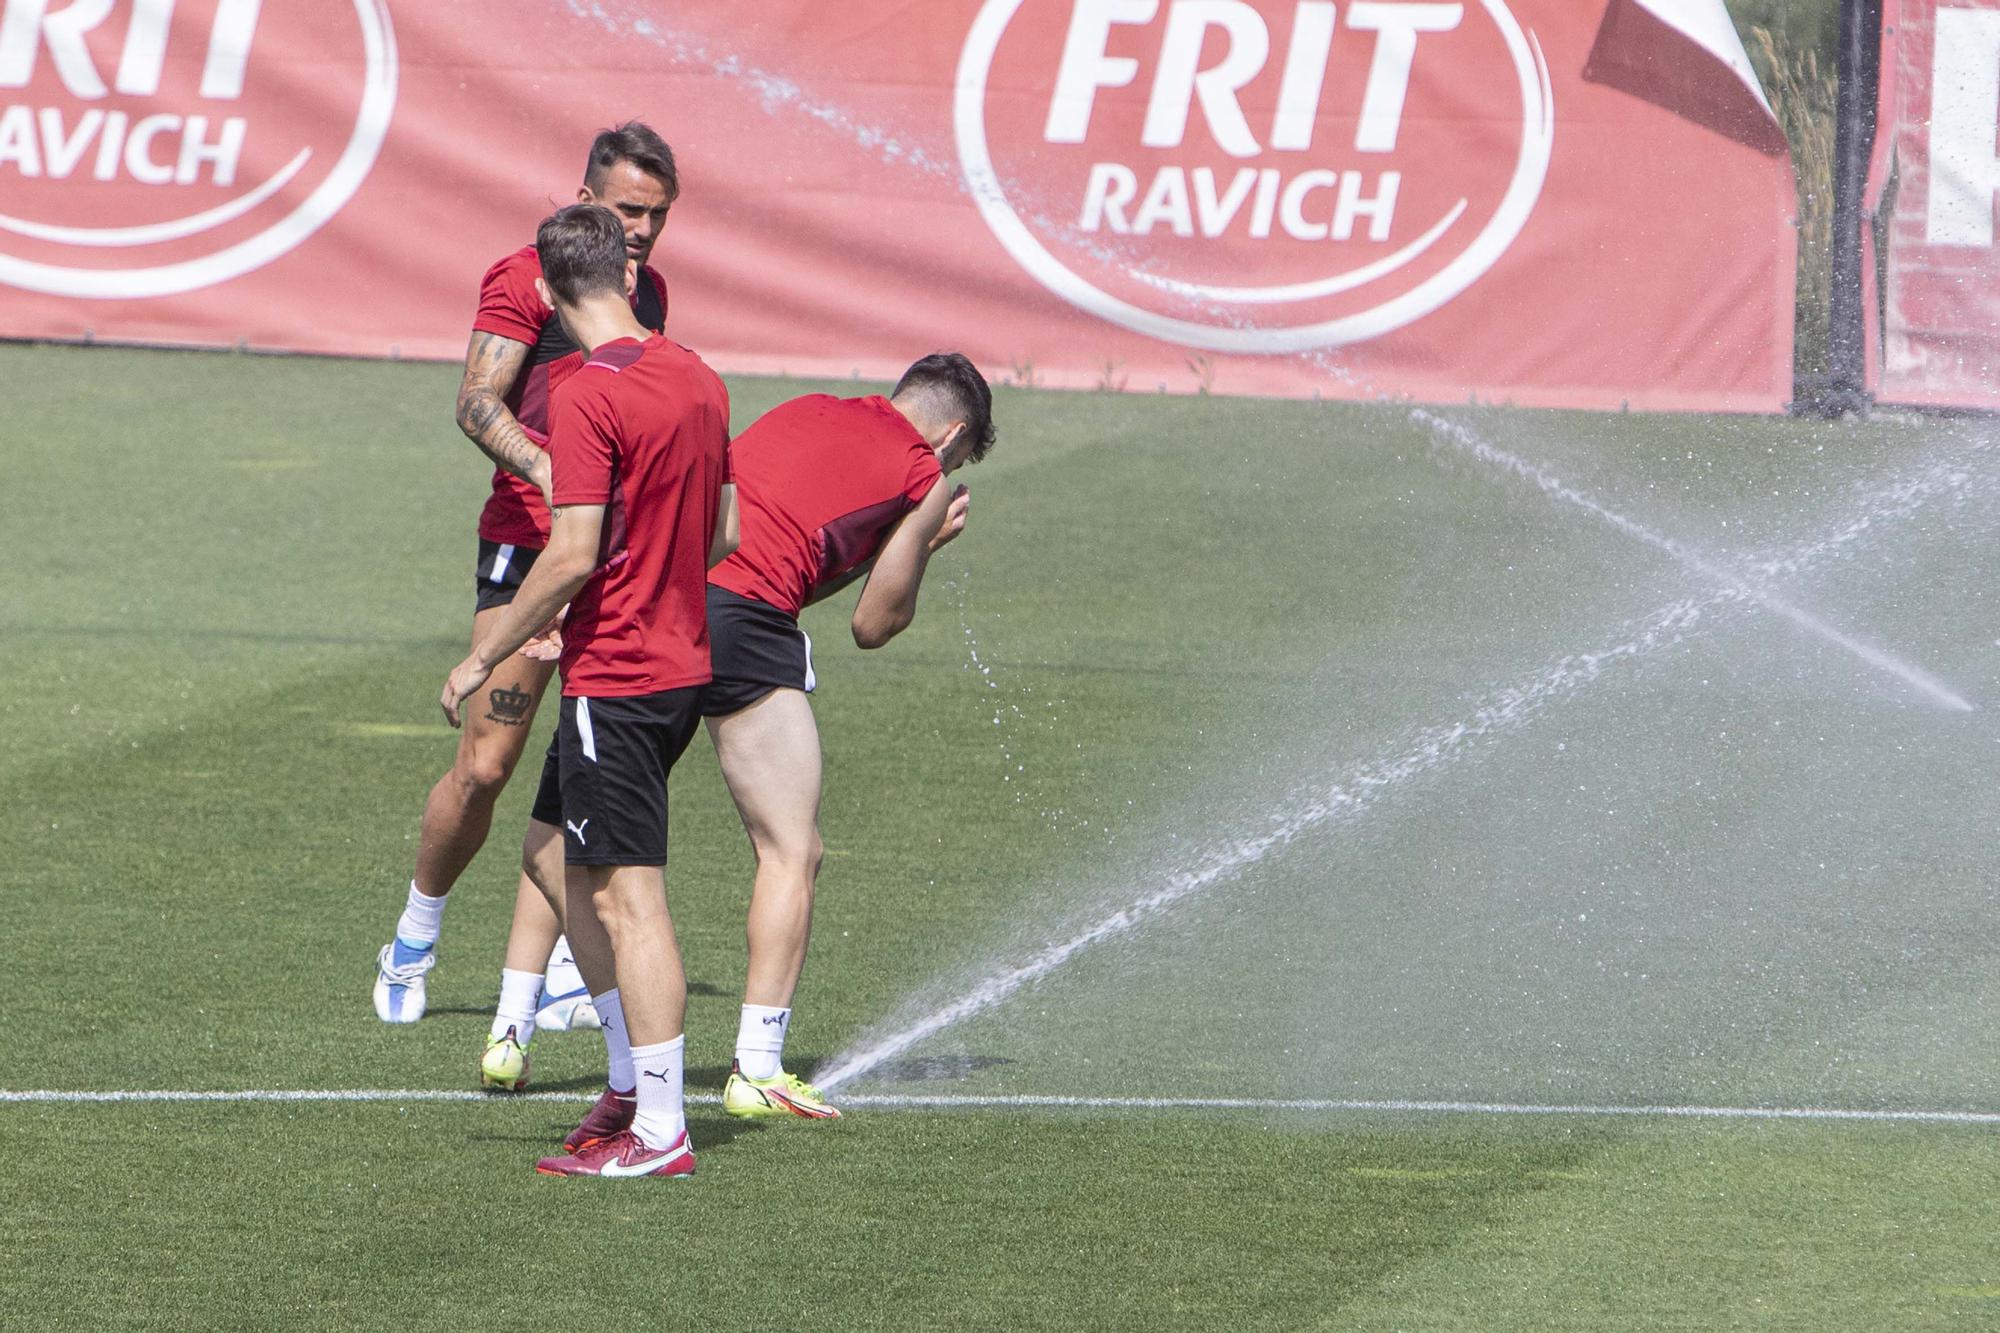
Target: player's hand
pixel 459 686
pixel 542 473
pixel 547 644
pixel 954 519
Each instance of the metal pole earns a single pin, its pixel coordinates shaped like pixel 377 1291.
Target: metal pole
pixel 1858 67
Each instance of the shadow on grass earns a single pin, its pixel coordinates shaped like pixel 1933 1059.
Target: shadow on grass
pixel 708 1127
pixel 700 989
pixel 708 1078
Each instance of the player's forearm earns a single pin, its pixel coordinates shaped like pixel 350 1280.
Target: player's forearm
pixel 888 604
pixel 889 600
pixel 488 423
pixel 548 588
pixel 877 630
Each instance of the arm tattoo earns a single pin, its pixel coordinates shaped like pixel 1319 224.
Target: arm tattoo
pixel 492 364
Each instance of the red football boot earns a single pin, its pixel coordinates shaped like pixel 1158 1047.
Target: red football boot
pixel 612 1114
pixel 623 1154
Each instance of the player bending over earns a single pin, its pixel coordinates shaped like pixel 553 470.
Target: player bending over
pixel 518 355
pixel 831 489
pixel 638 446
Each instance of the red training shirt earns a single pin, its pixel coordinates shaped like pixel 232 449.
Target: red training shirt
pixel 642 429
pixel 510 307
pixel 820 482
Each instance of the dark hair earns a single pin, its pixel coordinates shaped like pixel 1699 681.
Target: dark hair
pixel 958 392
pixel 582 249
pixel 633 142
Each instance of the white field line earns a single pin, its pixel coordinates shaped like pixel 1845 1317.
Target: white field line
pixel 966 1101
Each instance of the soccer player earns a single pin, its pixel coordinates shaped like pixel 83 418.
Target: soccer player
pixel 638 447
pixel 519 354
pixel 831 490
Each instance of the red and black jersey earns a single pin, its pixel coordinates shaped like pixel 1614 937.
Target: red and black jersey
pixel 510 307
pixel 820 482
pixel 641 428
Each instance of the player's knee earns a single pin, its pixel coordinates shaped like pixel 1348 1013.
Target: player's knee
pixel 484 774
pixel 800 853
pixel 624 921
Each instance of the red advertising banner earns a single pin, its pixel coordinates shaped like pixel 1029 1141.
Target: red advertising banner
pixel 1934 334
pixel 1548 202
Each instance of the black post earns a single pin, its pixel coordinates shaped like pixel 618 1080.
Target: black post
pixel 1859 69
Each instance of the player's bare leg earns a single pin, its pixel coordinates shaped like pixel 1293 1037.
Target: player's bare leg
pixel 521 1013
pixel 619 923
pixel 543 873
pixel 457 816
pixel 535 928
pixel 534 998
pixel 539 910
pixel 770 758
pixel 459 812
pixel 534 940
pixel 628 905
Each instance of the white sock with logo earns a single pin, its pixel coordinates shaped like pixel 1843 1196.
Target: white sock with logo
pixel 760 1040
pixel 611 1013
pixel 518 993
pixel 659 1118
pixel 422 919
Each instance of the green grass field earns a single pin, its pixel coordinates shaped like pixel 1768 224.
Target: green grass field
pixel 1737 867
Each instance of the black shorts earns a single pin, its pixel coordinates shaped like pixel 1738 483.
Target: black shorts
pixel 604 782
pixel 499 573
pixel 753 648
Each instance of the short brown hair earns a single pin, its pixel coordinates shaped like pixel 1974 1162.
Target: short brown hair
pixel 582 249
pixel 633 142
pixel 956 389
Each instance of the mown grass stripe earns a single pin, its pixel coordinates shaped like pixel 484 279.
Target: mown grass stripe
pixel 959 1101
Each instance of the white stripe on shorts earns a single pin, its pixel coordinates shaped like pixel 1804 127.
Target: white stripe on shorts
pixel 583 731
pixel 812 681
pixel 501 559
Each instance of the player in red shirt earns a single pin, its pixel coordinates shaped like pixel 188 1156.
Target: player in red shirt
pixel 518 356
pixel 641 509
pixel 831 490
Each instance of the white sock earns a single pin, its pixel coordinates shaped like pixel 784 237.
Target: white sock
pixel 611 1013
pixel 760 1040
pixel 422 919
pixel 518 993
pixel 659 1118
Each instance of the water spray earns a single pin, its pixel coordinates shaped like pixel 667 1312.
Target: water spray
pixel 1363 786
pixel 1465 440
